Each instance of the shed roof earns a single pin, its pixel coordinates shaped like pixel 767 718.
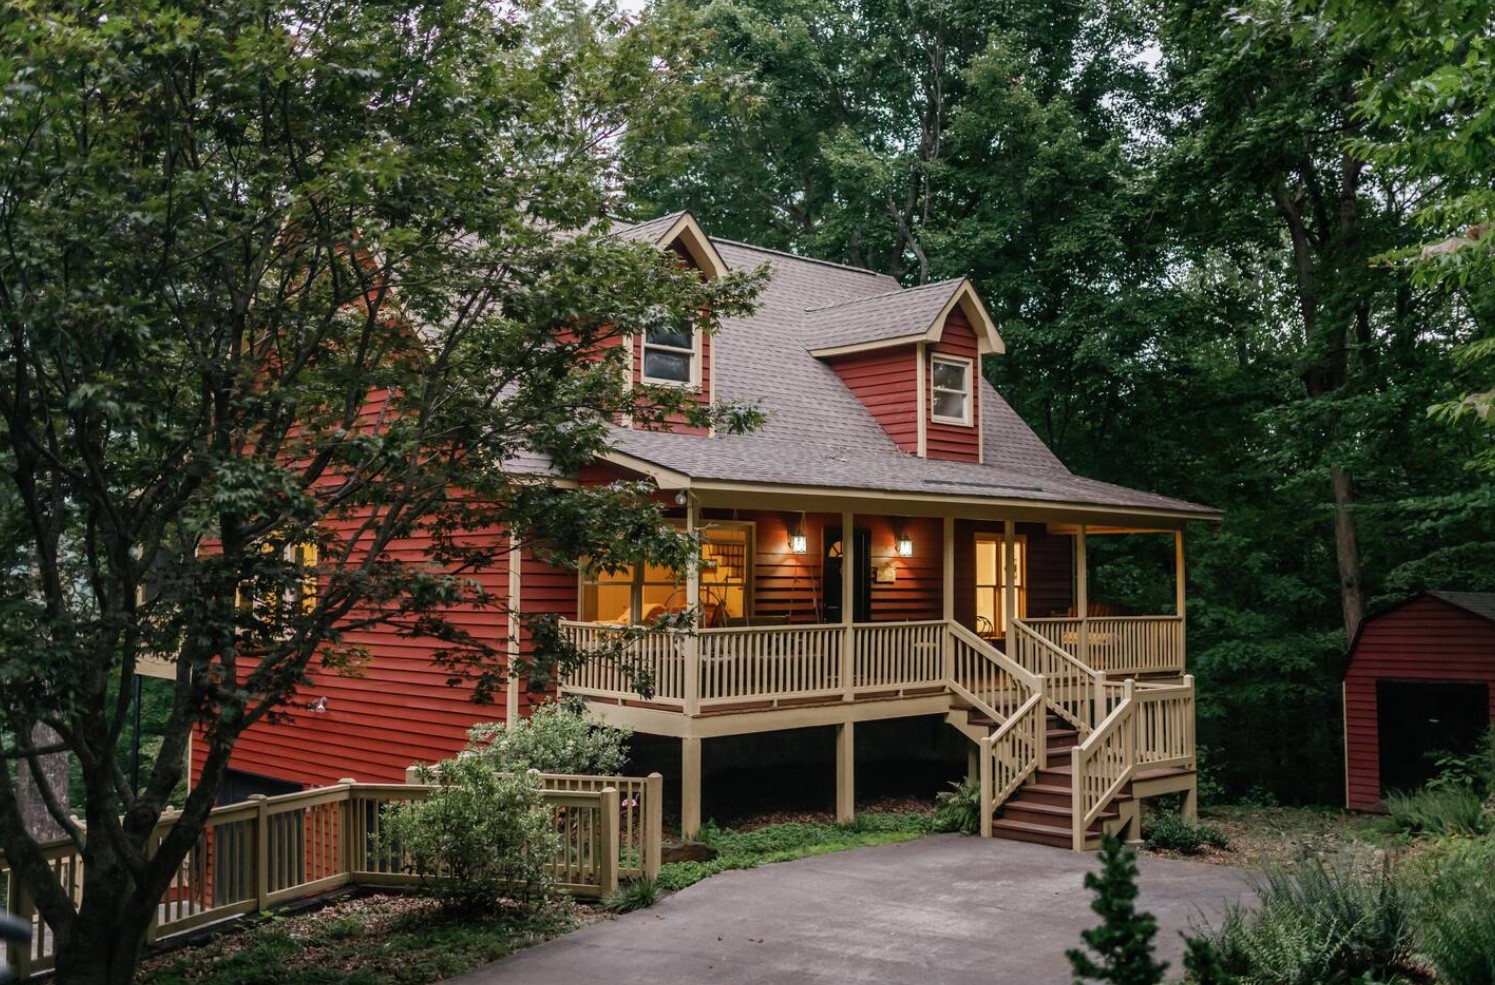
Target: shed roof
pixel 1481 604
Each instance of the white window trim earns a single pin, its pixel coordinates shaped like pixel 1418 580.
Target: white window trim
pixel 969 393
pixel 694 352
pixel 637 582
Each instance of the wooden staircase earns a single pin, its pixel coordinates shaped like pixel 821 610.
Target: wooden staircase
pixel 1041 812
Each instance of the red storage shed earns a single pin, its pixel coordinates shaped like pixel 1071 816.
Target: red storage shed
pixel 1421 680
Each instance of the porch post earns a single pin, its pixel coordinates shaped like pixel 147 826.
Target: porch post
pixel 511 695
pixel 845 773
pixel 849 561
pixel 690 787
pixel 1082 594
pixel 1009 589
pixel 1178 589
pixel 947 651
pixel 692 642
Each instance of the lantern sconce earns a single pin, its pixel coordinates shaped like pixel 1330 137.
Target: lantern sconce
pixel 905 543
pixel 798 542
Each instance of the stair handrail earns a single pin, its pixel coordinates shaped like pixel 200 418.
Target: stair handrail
pixel 1030 682
pixel 1029 720
pixel 1114 743
pixel 1095 696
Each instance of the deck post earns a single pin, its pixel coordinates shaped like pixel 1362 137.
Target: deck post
pixel 690 787
pixel 692 641
pixel 608 861
pixel 845 773
pixel 947 651
pixel 261 853
pixel 1082 594
pixel 653 821
pixel 984 772
pixel 1178 589
pixel 849 560
pixel 1009 587
pixel 511 694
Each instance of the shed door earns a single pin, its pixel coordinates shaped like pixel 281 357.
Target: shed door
pixel 1418 720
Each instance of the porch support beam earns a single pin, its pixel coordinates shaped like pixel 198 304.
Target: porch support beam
pixel 948 559
pixel 1009 587
pixel 1178 590
pixel 692 642
pixel 690 787
pixel 511 695
pixel 849 560
pixel 845 773
pixel 1082 593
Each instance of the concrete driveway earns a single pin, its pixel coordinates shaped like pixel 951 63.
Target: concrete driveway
pixel 943 910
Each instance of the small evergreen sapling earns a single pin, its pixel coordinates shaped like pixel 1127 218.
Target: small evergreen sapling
pixel 1122 944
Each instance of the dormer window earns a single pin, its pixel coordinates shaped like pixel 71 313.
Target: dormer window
pixel 950 386
pixel 671 355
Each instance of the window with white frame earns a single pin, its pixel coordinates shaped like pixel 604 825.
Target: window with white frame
pixel 645 594
pixel 950 387
pixel 670 353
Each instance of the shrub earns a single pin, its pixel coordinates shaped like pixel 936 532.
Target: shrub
pixel 635 894
pixel 1320 924
pixel 959 809
pixel 1122 944
pixel 1169 832
pixel 478 838
pixel 1474 771
pixel 554 739
pixel 1454 887
pixel 1443 810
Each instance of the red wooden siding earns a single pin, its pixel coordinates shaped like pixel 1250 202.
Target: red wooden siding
pixel 1425 640
pixel 396 709
pixel 887 384
pixel 953 441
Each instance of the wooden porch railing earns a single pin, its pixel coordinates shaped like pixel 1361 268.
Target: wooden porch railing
pixel 272 850
pixel 1011 754
pixel 775 663
pixel 1118 645
pixel 1075 692
pixel 1149 728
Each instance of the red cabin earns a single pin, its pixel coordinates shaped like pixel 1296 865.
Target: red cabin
pixel 1420 681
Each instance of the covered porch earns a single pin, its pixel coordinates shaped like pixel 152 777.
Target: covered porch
pixel 967 613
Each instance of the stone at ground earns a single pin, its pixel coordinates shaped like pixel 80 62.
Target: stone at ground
pixel 943 910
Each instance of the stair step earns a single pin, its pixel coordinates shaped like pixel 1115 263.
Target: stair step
pixel 1037 834
pixel 1046 793
pixel 1050 815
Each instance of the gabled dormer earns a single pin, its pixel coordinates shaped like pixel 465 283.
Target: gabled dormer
pixel 667 356
pixel 913 358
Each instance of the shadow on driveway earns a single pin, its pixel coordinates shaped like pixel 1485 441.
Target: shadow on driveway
pixel 943 910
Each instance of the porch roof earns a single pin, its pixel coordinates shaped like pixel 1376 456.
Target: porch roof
pixel 758 460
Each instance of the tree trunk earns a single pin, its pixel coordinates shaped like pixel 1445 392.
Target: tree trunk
pixel 40 823
pixel 1347 552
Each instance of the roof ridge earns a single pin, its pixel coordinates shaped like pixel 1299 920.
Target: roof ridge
pixel 795 256
pixel 900 292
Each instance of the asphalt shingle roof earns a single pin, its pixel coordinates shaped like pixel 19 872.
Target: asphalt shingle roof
pixel 817 433
pixel 1479 603
pixel 897 314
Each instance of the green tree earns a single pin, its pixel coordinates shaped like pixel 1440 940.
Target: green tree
pixel 1122 946
pixel 283 300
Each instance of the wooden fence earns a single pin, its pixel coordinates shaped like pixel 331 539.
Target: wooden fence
pixel 269 851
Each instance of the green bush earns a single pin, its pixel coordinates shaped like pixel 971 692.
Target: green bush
pixel 554 739
pixel 1320 924
pixel 1454 888
pixel 959 809
pixel 1475 771
pixel 479 838
pixel 1442 810
pixel 1169 832
pixel 636 894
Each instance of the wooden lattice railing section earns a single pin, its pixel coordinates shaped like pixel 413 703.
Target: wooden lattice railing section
pixel 268 851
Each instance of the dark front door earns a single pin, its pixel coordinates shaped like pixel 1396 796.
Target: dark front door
pixel 1419 720
pixel 861 578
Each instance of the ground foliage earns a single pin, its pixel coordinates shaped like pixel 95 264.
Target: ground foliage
pixel 1199 225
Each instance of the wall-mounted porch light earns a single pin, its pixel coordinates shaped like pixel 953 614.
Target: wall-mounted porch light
pixel 798 542
pixel 905 543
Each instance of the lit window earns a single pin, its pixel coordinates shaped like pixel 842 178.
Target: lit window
pixel 950 383
pixel 273 607
pixel 645 595
pixel 991 582
pixel 670 354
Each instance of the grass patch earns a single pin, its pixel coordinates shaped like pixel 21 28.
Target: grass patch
pixel 791 840
pixel 371 940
